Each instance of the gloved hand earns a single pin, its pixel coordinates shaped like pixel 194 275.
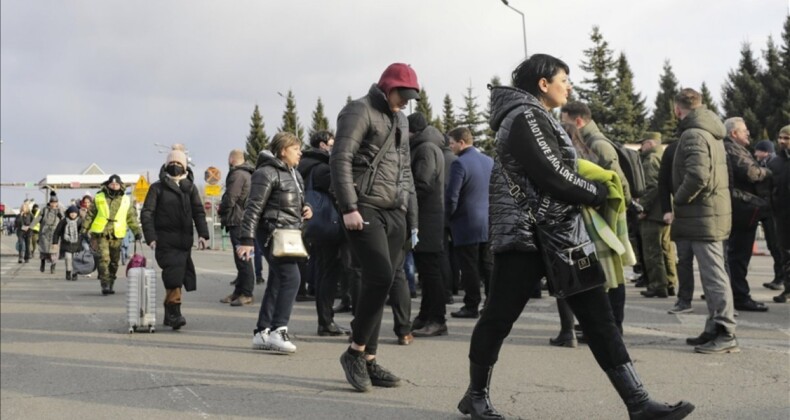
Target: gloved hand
pixel 138 236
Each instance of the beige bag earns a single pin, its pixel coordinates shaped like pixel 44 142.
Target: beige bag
pixel 288 243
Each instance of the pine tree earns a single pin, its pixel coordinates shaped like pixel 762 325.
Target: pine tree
pixel 598 89
pixel 470 116
pixel 448 117
pixel 707 98
pixel 664 119
pixel 257 140
pixel 291 118
pixel 627 106
pixel 774 106
pixel 488 143
pixel 424 105
pixel 742 91
pixel 320 121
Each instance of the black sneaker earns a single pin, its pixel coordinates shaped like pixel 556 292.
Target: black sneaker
pixel 356 371
pixel 380 376
pixel 701 339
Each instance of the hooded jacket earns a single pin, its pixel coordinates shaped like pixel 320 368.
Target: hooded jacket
pixel 276 200
pixel 237 188
pixel 315 164
pixel 606 153
pixel 363 127
pixel 541 161
pixel 700 182
pixel 427 167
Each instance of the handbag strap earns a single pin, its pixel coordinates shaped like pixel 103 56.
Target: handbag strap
pixel 387 144
pixel 519 196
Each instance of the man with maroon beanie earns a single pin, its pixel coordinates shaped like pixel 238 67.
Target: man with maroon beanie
pixel 372 180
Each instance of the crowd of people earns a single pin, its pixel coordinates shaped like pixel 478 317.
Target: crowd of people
pixel 388 189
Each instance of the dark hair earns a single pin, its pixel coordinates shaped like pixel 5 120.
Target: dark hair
pixel 577 109
pixel 319 137
pixel 461 134
pixel 539 66
pixel 688 99
pixel 578 143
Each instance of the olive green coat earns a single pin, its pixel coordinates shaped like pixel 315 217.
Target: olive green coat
pixel 700 181
pixel 651 163
pixel 607 155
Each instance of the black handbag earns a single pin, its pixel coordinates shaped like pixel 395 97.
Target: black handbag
pixel 571 263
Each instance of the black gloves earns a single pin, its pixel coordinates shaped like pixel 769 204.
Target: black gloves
pixel 138 236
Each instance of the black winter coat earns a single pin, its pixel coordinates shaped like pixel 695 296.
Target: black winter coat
pixel 167 217
pixel 427 168
pixel 276 200
pixel 747 179
pixel 66 246
pixel 363 126
pixel 237 188
pixel 315 163
pixel 780 194
pixel 541 160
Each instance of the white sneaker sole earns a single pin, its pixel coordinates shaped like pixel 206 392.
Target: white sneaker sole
pixel 282 350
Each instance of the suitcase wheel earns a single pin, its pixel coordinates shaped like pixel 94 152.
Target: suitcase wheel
pixel 151 329
pixel 131 330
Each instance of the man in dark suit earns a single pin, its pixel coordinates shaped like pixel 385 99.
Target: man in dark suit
pixel 466 205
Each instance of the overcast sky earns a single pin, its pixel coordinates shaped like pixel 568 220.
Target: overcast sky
pixel 101 81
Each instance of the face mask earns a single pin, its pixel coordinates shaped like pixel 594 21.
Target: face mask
pixel 174 170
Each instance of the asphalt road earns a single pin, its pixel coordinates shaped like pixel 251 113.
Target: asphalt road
pixel 65 354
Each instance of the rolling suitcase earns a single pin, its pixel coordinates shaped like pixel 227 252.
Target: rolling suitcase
pixel 141 299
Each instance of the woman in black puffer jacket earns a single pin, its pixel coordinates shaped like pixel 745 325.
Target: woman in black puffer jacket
pixel 540 159
pixel 276 201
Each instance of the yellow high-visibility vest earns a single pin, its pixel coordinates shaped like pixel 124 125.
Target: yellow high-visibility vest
pixel 103 215
pixel 37 227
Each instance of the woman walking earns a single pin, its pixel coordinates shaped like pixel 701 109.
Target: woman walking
pixel 536 155
pixel 22 226
pixel 48 220
pixel 172 207
pixel 276 201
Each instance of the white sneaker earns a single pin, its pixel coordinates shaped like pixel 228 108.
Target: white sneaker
pixel 260 340
pixel 279 341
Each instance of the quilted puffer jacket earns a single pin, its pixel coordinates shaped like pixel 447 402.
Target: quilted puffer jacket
pixel 540 159
pixel 276 200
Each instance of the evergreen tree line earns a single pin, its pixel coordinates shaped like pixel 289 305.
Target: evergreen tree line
pixel 757 90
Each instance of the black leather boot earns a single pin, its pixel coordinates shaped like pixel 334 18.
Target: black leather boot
pixel 476 401
pixel 173 313
pixel 640 406
pixel 68 275
pixel 41 268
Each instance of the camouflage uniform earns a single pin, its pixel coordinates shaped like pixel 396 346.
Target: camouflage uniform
pixel 659 256
pixel 107 245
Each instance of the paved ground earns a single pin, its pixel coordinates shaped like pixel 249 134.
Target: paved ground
pixel 65 353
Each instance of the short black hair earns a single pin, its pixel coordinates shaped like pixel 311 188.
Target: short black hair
pixel 319 137
pixel 527 75
pixel 577 109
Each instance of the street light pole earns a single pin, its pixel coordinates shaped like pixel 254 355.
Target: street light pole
pixel 523 25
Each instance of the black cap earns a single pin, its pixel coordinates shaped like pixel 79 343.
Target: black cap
pixel 417 122
pixel 408 93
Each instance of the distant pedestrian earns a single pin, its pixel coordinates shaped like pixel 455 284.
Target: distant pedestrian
pixel 276 200
pixel 67 233
pixel 466 205
pixel 48 220
pixel 22 224
pixel 171 212
pixel 106 222
pixel 231 212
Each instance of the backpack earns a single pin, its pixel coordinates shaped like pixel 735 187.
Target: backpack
pixel 325 225
pixel 631 164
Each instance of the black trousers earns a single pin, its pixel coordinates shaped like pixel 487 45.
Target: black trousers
pixel 451 273
pixel 378 248
pixel 245 277
pixel 400 300
pixel 432 307
pixel 514 278
pixel 772 242
pixel 739 253
pixel 476 266
pixel 326 267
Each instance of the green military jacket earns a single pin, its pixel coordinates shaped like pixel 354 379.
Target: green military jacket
pixel 607 155
pixel 114 204
pixel 700 180
pixel 651 163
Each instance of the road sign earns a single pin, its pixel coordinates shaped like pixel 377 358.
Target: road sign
pixel 213 190
pixel 213 175
pixel 141 189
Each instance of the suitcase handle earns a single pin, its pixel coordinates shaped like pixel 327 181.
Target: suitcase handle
pixel 142 252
